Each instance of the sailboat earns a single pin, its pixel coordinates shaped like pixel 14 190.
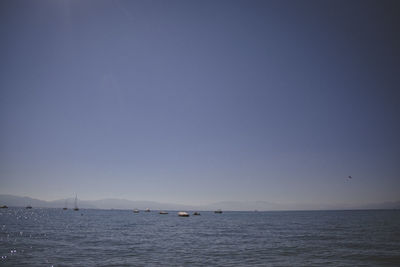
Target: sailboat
pixel 66 204
pixel 76 203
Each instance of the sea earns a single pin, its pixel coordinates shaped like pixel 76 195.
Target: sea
pixel 94 237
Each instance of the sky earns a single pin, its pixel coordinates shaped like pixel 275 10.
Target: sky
pixel 195 102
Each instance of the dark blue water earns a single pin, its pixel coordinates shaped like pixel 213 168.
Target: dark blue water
pixel 54 237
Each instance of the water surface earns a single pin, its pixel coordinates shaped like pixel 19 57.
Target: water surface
pixel 56 237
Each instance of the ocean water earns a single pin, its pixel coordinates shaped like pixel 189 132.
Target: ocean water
pixel 54 237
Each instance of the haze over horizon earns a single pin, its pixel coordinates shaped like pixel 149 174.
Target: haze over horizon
pixel 195 102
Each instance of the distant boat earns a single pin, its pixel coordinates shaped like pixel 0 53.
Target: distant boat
pixel 183 214
pixel 163 212
pixel 218 211
pixel 147 210
pixel 196 213
pixel 66 205
pixel 76 203
pixel 28 207
pixel 136 211
pixel 4 207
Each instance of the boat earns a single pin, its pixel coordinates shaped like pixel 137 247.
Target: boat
pixel 218 211
pixel 163 212
pixel 76 203
pixel 4 207
pixel 28 207
pixel 147 210
pixel 66 206
pixel 135 211
pixel 183 214
pixel 196 213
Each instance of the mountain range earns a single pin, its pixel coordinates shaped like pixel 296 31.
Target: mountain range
pixel 17 201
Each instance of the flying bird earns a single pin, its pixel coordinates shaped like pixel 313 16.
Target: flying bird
pixel 349 177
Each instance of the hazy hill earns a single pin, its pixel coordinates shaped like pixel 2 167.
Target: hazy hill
pixel 16 201
pixel 243 205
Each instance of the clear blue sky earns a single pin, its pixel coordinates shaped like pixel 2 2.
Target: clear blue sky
pixel 200 101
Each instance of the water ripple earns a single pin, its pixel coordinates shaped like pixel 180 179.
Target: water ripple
pixel 52 237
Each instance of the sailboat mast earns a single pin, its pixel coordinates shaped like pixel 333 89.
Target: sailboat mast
pixel 76 202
